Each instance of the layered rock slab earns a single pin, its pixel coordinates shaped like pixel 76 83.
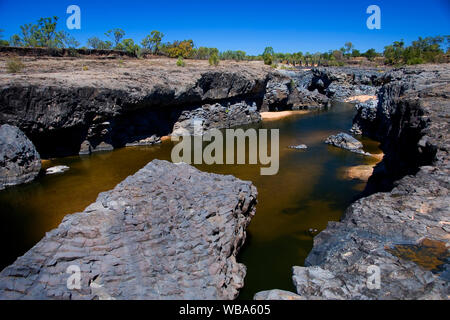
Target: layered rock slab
pixel 169 231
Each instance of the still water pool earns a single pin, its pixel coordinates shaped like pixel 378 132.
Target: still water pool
pixel 309 190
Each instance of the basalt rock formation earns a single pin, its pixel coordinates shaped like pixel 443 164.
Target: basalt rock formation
pixel 346 141
pixel 65 110
pixel 19 160
pixel 288 91
pixel 169 231
pixel 79 105
pixel 394 244
pixel 341 83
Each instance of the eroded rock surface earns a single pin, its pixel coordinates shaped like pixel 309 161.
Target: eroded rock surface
pixel 169 231
pixel 19 160
pixel 341 83
pixel 289 91
pixel 403 232
pixel 65 110
pixel 347 142
pixel 82 105
pixel 217 116
pixel 277 295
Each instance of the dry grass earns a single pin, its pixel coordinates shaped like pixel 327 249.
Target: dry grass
pixel 14 65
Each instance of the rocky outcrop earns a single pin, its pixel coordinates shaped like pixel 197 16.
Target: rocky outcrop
pixel 404 233
pixel 19 160
pixel 169 231
pixel 408 120
pixel 341 83
pixel 394 244
pixel 277 295
pixel 347 142
pixel 366 111
pixel 287 91
pixel 217 116
pixel 79 105
pixel 111 105
pixel 56 169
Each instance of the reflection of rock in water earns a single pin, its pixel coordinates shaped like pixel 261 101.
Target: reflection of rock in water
pixel 362 172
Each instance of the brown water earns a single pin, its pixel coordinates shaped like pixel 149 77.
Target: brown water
pixel 308 191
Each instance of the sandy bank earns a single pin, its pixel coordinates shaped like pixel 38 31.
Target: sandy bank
pixel 360 98
pixel 276 115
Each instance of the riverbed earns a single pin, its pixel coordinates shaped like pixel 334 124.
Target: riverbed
pixel 293 205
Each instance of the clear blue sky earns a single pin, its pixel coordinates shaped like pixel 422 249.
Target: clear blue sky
pixel 287 26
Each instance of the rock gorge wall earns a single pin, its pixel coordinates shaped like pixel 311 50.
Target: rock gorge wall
pixel 404 232
pixel 108 106
pixel 169 231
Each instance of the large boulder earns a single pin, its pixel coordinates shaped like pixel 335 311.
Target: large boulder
pixel 169 231
pixel 19 160
pixel 288 93
pixel 346 141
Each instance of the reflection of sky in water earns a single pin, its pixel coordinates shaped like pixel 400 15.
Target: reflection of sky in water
pixel 307 192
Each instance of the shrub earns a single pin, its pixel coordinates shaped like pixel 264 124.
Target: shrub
pixel 268 59
pixel 213 60
pixel 85 68
pixel 14 65
pixel 416 60
pixel 180 62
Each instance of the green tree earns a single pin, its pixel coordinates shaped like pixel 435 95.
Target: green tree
pixel 115 35
pixel 268 55
pixel 394 53
pixel 128 45
pixel 370 54
pixel 213 59
pixel 152 42
pixel 356 53
pixel 348 46
pixel 96 43
pixel 338 55
pixel 3 42
pixel 15 41
pixel 68 40
pixel 44 34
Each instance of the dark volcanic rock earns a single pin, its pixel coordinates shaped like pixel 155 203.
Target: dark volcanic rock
pixel 408 120
pixel 217 116
pixel 19 160
pixel 169 231
pixel 101 109
pixel 346 141
pixel 342 83
pixel 403 232
pixel 286 91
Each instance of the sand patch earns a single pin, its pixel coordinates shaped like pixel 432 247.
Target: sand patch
pixel 361 98
pixel 275 115
pixel 362 172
